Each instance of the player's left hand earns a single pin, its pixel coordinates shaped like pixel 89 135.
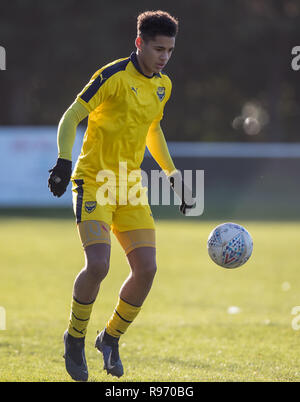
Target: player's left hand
pixel 185 208
pixel 183 192
pixel 60 176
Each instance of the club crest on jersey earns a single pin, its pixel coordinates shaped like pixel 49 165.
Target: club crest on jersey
pixel 90 206
pixel 161 92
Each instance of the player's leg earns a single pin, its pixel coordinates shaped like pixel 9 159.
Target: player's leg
pixel 86 288
pixel 93 223
pixel 87 282
pixel 142 261
pixel 139 246
pixel 133 292
pixel 141 254
pixel 134 227
pixel 95 238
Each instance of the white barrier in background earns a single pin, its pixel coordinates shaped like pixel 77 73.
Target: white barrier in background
pixel 27 153
pixel 234 150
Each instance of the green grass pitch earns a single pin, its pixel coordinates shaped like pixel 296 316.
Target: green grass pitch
pixel 184 331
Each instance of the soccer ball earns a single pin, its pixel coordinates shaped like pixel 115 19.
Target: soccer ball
pixel 229 245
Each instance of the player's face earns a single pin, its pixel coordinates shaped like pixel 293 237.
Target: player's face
pixel 154 54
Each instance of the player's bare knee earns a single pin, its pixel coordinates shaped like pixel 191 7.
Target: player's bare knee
pixel 97 261
pixel 98 268
pixel 146 271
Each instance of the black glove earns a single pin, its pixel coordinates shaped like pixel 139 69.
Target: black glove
pixel 185 207
pixel 60 177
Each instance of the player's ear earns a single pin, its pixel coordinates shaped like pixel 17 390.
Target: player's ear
pixel 139 43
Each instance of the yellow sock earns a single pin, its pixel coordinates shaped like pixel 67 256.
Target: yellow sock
pixel 79 318
pixel 122 317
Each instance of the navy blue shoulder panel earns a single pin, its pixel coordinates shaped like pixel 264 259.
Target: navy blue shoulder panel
pixel 105 74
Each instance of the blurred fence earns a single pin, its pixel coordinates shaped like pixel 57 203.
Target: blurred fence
pixel 241 186
pixel 241 180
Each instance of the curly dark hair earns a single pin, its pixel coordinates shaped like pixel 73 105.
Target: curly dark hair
pixel 152 23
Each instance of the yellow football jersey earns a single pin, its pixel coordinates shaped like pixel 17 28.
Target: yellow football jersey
pixel 122 104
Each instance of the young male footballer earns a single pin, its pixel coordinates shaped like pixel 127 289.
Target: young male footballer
pixel 124 102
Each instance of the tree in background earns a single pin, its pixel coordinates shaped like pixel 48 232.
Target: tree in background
pixel 233 60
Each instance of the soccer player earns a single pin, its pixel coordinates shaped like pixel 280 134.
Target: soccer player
pixel 124 102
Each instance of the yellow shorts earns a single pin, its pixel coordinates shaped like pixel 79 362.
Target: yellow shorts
pixel 133 225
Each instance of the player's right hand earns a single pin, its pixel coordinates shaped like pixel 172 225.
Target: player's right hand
pixel 60 176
